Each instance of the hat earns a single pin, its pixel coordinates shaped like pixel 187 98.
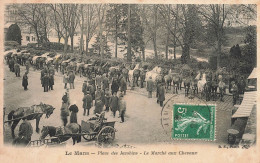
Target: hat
pixel 88 92
pixel 85 81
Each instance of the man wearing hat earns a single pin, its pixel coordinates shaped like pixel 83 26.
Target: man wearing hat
pixel 100 94
pixel 149 87
pixel 87 102
pixel 84 87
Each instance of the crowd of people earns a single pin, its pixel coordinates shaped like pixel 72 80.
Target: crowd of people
pixel 104 90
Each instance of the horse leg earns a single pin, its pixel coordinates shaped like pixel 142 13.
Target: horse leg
pixel 73 138
pixel 13 127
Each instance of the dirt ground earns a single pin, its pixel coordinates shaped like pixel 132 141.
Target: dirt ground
pixel 143 116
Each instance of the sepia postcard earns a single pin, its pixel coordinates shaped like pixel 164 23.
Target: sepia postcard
pixel 129 81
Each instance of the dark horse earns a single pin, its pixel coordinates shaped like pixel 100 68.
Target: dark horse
pixel 33 112
pixel 187 84
pixel 136 75
pixel 63 133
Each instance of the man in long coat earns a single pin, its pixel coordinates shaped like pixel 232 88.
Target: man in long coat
pixel 87 102
pixel 73 116
pixel 84 87
pixel 71 80
pixel 51 81
pixel 25 130
pixel 98 106
pixel 17 69
pixel 142 78
pixel 114 86
pixel 107 99
pixel 114 104
pixel 149 87
pixel 98 81
pixel 45 82
pixel 122 108
pixel 105 83
pixel 25 81
pixel 91 90
pixel 123 85
pixel 161 94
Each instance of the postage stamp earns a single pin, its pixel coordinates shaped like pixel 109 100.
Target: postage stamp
pixel 194 122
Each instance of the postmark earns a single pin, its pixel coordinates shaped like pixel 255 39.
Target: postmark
pixel 195 122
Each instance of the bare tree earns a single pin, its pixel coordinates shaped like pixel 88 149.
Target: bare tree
pixel 91 23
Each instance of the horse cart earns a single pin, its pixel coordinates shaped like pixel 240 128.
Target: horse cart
pixel 100 130
pixel 95 129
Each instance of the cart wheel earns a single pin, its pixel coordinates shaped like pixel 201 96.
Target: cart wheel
pixel 88 137
pixel 106 135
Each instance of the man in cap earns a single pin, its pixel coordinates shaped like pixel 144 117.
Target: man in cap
pixel 149 87
pixel 87 102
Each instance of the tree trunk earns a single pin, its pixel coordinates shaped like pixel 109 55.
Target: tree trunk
pixel 129 54
pixel 72 42
pixel 116 36
pixel 218 52
pixel 175 30
pixel 87 41
pixel 155 33
pixel 82 28
pixel 185 53
pixel 143 53
pixel 168 33
pixel 155 47
pixel 66 44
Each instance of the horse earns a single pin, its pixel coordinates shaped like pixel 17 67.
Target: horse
pixel 168 81
pixel 187 84
pixel 134 75
pixel 33 112
pixel 214 87
pixel 60 132
pixel 201 84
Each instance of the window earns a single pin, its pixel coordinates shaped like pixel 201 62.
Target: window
pixel 27 38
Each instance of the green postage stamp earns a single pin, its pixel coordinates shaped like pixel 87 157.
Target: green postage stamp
pixel 194 122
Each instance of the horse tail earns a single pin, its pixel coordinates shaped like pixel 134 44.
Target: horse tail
pixel 79 137
pixel 10 116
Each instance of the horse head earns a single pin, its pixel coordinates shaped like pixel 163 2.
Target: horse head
pixel 47 109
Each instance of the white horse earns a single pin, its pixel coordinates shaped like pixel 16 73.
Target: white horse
pixel 154 73
pixel 201 83
pixel 131 73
